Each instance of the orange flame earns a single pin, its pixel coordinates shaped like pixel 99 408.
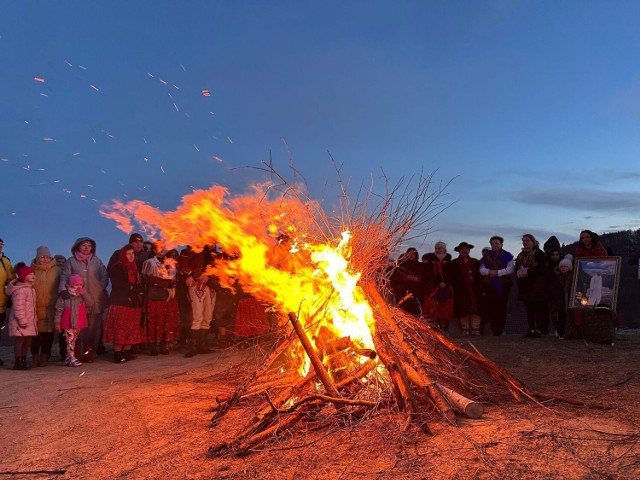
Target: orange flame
pixel 283 258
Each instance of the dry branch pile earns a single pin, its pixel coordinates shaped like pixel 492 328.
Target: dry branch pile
pixel 344 353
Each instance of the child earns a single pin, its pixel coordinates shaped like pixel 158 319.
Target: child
pixel 71 315
pixel 560 287
pixel 23 321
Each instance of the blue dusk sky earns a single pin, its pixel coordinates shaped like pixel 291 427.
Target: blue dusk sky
pixel 532 107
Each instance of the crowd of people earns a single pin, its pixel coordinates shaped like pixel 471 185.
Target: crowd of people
pixel 476 292
pixel 157 298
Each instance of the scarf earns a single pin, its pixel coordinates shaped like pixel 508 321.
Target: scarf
pixel 81 257
pixel 527 259
pixel 131 268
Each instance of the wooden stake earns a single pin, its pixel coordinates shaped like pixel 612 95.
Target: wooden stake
pixel 315 361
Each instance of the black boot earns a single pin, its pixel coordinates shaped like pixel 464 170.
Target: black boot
pixel 118 357
pixel 21 363
pixel 202 342
pixel 128 356
pixel 192 344
pixel 164 348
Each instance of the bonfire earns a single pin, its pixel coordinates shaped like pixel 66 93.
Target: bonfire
pixel 343 352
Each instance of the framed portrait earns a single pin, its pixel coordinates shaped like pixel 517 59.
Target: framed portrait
pixel 595 283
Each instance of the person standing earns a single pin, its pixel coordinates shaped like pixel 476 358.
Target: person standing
pixel 163 316
pixel 84 262
pixel 497 266
pixel 6 275
pixel 531 268
pixel 467 289
pixel 71 315
pixel 122 327
pixel 438 299
pixel 46 286
pixel 23 321
pixel 202 297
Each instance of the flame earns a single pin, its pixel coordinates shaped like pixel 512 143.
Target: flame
pixel 280 255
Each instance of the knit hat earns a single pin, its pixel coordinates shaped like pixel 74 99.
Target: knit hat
pixel 134 237
pixel 75 280
pixel 566 263
pixel 43 251
pixel 23 272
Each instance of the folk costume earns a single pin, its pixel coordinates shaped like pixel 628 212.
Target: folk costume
pixel 122 327
pixel 497 288
pixel 438 299
pixel 163 316
pixel 467 291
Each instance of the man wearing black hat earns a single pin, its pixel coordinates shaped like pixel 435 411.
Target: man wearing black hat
pixel 467 289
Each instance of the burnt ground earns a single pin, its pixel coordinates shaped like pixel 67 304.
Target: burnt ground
pixel 149 419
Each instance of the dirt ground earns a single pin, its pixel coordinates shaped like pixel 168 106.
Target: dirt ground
pixel 149 419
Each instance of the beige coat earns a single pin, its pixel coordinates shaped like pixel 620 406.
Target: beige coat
pixel 46 285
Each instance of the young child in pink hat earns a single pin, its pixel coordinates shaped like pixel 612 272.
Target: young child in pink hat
pixel 23 321
pixel 71 315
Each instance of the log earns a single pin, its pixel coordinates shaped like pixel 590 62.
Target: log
pixel 315 361
pixel 462 404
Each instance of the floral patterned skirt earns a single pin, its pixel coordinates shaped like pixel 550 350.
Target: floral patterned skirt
pixel 163 320
pixel 122 326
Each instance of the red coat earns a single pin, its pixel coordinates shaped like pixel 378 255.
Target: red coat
pixel 596 250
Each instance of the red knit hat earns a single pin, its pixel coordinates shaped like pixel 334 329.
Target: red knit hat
pixel 23 272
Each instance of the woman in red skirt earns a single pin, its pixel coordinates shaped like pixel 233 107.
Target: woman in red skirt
pixel 122 328
pixel 163 316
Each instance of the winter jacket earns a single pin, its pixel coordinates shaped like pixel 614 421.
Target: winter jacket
pixel 71 311
pixel 94 276
pixel 533 287
pixel 46 286
pixel 124 293
pixel 6 274
pixel 467 286
pixel 23 321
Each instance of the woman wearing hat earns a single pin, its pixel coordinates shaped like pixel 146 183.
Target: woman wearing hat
pixel 531 267
pixel 46 285
pixel 467 289
pixel 84 262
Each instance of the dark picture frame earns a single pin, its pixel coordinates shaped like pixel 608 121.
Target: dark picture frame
pixel 595 283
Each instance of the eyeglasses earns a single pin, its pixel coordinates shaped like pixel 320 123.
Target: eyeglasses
pixel 45 256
